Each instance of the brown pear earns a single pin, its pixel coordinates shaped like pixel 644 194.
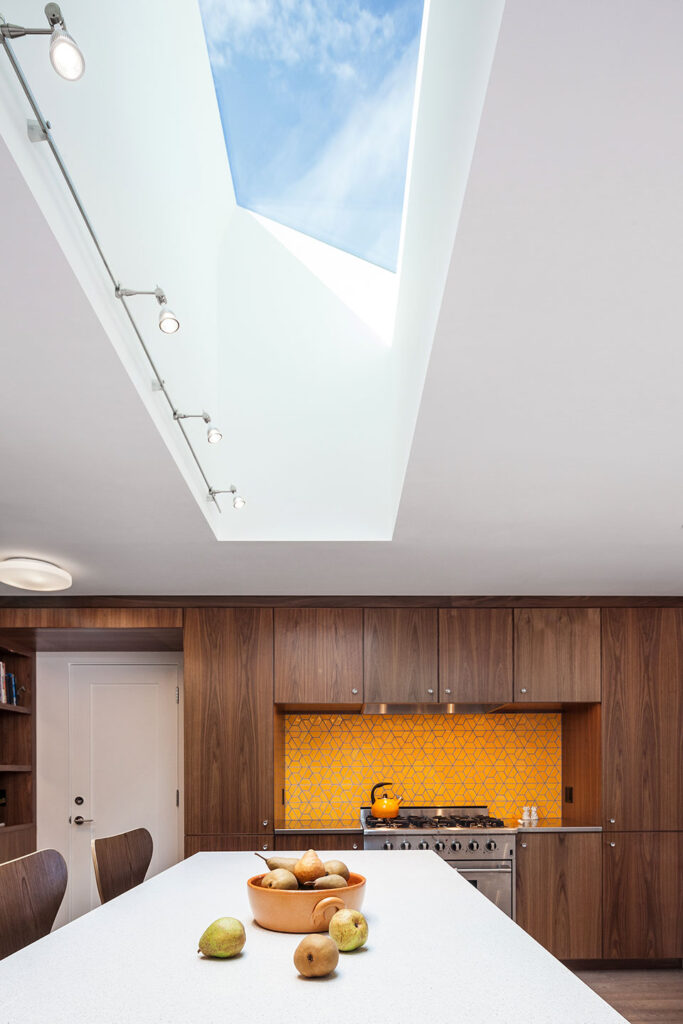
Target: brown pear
pixel 280 878
pixel 316 956
pixel 279 862
pixel 337 867
pixel 330 882
pixel 309 867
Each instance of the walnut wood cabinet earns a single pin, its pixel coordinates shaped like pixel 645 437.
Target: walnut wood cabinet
pixel 559 893
pixel 400 655
pixel 318 655
pixel 557 654
pixel 475 655
pixel 643 895
pixel 221 844
pixel 320 841
pixel 642 719
pixel 228 721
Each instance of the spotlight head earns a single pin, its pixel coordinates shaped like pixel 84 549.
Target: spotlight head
pixel 213 435
pixel 168 321
pixel 238 501
pixel 66 57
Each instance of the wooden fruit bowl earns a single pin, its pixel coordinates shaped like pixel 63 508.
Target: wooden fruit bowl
pixel 302 910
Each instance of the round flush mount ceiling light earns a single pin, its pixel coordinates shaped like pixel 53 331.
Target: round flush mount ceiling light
pixel 33 574
pixel 66 57
pixel 168 321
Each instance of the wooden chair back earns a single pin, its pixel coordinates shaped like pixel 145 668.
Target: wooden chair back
pixel 121 862
pixel 31 891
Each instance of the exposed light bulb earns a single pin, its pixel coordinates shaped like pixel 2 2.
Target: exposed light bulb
pixel 168 321
pixel 33 574
pixel 213 435
pixel 66 57
pixel 238 501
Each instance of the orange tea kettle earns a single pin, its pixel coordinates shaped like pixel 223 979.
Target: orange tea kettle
pixel 384 806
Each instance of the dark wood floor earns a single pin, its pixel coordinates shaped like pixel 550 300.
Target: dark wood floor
pixel 642 997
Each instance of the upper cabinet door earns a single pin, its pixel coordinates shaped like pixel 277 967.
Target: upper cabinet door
pixel 475 655
pixel 401 656
pixel 642 718
pixel 318 655
pixel 557 654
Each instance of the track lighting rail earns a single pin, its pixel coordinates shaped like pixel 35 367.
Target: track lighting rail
pixel 168 322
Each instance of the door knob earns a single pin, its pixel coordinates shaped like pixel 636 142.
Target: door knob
pixel 80 820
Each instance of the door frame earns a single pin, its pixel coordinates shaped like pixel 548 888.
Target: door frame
pixel 53 804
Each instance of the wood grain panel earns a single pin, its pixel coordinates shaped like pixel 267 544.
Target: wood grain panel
pixel 228 721
pixel 344 601
pixel 222 844
pixel 475 655
pixel 319 655
pixel 581 760
pixel 642 719
pixel 320 841
pixel 69 617
pixel 559 892
pixel 557 654
pixel 76 639
pixel 121 862
pixel 643 894
pixel 17 842
pixel 31 891
pixel 400 655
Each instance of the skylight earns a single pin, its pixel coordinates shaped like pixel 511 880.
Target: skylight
pixel 316 104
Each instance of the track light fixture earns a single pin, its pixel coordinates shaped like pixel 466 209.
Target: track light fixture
pixel 237 500
pixel 168 321
pixel 65 55
pixel 213 434
pixel 68 62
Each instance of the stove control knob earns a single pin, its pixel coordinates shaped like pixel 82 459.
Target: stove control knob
pixel 388 845
pixel 438 845
pixel 456 845
pixel 491 845
pixel 423 845
pixel 405 845
pixel 473 845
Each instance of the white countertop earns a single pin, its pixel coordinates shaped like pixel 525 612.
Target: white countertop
pixel 437 950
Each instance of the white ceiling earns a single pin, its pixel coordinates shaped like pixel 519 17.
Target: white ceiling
pixel 546 456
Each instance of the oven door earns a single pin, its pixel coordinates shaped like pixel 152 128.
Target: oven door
pixel 493 880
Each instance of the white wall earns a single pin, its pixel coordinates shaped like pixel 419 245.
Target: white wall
pixel 52 742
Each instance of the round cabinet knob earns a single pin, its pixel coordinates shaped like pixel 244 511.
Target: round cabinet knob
pixel 430 692
pixel 447 692
pixel 524 846
pixel 473 845
pixel 405 845
pixel 423 845
pixel 354 692
pixel 265 823
pixel 523 690
pixel 456 845
pixel 491 845
pixel 613 844
pixel 388 845
pixel 355 846
pixel 612 821
pixel 265 846
pixel 438 845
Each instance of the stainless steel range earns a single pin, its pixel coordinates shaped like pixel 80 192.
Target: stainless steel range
pixel 480 847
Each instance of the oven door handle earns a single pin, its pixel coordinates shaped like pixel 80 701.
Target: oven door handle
pixel 506 869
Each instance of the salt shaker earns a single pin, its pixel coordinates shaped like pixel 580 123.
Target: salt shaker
pixel 525 814
pixel 534 813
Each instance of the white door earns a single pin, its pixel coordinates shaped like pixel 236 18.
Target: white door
pixel 123 765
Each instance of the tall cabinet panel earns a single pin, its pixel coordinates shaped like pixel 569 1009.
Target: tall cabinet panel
pixel 642 719
pixel 228 721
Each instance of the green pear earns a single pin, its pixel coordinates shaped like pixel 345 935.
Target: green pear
pixel 349 929
pixel 224 938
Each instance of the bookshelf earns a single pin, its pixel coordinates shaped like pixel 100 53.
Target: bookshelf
pixel 18 756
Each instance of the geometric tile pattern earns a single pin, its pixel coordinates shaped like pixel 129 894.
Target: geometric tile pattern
pixel 503 760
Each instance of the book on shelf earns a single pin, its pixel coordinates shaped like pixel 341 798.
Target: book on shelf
pixel 8 686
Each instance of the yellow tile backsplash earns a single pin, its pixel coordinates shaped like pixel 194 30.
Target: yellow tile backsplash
pixel 505 761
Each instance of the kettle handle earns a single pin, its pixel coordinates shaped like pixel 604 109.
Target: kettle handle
pixel 378 786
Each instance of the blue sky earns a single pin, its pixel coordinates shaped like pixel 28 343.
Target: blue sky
pixel 316 103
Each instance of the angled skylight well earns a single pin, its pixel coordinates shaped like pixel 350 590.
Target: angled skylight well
pixel 316 104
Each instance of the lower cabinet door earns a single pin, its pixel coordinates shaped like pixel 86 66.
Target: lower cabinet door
pixel 559 894
pixel 214 844
pixel 643 895
pixel 319 841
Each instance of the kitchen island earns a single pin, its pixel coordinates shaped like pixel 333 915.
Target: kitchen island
pixel 438 950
